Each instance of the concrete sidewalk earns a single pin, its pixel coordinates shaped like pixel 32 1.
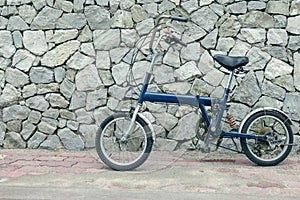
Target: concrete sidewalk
pixel 40 174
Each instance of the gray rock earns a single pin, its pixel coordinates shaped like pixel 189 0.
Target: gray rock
pixel 201 88
pixel 96 99
pixel 61 53
pixel 277 68
pixel 277 37
pixel 162 144
pixel 266 101
pixel 129 37
pixel 193 33
pixel 46 19
pixel 70 140
pixel 163 74
pixel 15 112
pixel 35 141
pixel 186 129
pixel 106 39
pixel 172 58
pixel 297 70
pixel 166 120
pixel 295 8
pixel 66 114
pixel 2 132
pixel 7 48
pixel 78 5
pixel 294 42
pixel 187 72
pixel 278 52
pixel 78 100
pixel 34 117
pixel 252 35
pixel 271 90
pixel 210 41
pixel 120 73
pixel 122 19
pixel 37 103
pixel 118 92
pixel 280 21
pixel 248 91
pixel 257 19
pixel 190 6
pixel 88 49
pixel 47 125
pixel 89 133
pixel 61 36
pixel 206 63
pixel 3 22
pixel 18 39
pixel 177 88
pixel 139 70
pixel 16 23
pixel 225 44
pixel 257 59
pixel 191 52
pixel 73 125
pixel 47 88
pixel 237 8
pixel 205 18
pixel 100 114
pixel 86 35
pixel 14 126
pixel 214 77
pixel 256 5
pixel 165 6
pixel 240 48
pixel 290 105
pixel 278 7
pixel 51 113
pixel 293 25
pixel 97 17
pixel 59 74
pixel 35 42
pixel 67 88
pixel 117 54
pixel 89 73
pixel 83 116
pixel 138 13
pixel 57 101
pixel 52 142
pixel 16 78
pixel 71 21
pixel 64 5
pixel 102 60
pixel 230 27
pixel 10 95
pixel 23 60
pixel 13 140
pixel 145 26
pixel 79 61
pixel 41 75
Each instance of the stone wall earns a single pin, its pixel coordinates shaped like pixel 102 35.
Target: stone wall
pixel 63 64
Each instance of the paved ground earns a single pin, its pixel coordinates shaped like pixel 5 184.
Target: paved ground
pixel 37 174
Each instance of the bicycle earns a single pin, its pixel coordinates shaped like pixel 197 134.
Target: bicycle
pixel 124 140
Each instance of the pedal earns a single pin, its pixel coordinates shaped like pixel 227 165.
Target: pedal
pixel 220 140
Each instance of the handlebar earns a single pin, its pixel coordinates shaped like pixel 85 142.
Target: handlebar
pixel 172 38
pixel 178 18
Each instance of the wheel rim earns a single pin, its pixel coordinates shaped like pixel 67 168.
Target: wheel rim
pixel 273 128
pixel 127 152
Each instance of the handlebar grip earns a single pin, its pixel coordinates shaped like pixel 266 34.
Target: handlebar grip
pixel 180 19
pixel 174 38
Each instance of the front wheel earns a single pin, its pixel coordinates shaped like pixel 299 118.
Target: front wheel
pixel 277 129
pixel 121 152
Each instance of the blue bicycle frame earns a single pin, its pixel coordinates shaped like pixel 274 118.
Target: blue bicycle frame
pixel 196 101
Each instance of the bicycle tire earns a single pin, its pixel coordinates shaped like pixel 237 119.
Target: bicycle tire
pixel 255 150
pixel 140 146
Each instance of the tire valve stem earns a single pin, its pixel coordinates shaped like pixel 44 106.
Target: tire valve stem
pixel 231 120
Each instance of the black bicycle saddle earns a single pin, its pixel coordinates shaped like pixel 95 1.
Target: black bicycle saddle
pixel 231 62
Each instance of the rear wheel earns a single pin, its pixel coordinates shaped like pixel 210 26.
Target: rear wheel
pixel 121 152
pixel 277 129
